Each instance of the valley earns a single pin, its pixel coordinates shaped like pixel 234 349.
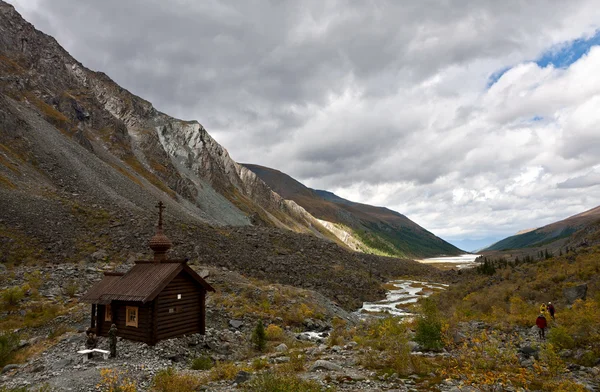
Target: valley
pixel 313 292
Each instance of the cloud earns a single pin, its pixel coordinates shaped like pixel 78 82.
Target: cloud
pixel 464 116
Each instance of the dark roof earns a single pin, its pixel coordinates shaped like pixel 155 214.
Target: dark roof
pixel 142 283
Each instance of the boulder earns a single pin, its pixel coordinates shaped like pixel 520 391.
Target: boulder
pixel 236 324
pixel 281 348
pixel 9 367
pixel 242 377
pixel 528 351
pixel 574 293
pixel 322 364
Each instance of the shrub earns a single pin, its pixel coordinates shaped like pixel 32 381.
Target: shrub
pixel 388 343
pixel 71 288
pixel 35 279
pixel 168 380
pixel 337 335
pixel 260 363
pixel 259 337
pixel 12 296
pixel 112 380
pixel 224 371
pixel 8 345
pixel 429 326
pixel 271 382
pixel 559 337
pixel 202 363
pixel 274 332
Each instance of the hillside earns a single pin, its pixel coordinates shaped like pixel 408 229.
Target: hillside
pixel 552 235
pixel 83 163
pixel 363 227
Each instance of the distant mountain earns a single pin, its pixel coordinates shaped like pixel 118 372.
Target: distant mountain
pixel 551 234
pixel 363 227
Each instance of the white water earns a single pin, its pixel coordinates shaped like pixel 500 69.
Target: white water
pixel 462 261
pixel 405 292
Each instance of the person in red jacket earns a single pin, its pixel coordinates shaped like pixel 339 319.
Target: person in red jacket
pixel 541 324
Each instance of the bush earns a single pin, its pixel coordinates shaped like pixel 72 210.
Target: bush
pixel 112 380
pixel 260 363
pixel 429 326
pixel 168 380
pixel 259 337
pixel 12 296
pixel 270 382
pixel 273 332
pixel 71 288
pixel 559 337
pixel 224 371
pixel 202 363
pixel 8 345
pixel 387 343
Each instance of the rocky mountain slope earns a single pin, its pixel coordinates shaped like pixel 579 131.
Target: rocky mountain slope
pixel 362 227
pixel 70 133
pixel 83 163
pixel 554 235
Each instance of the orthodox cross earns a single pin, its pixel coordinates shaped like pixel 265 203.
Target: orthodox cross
pixel 160 207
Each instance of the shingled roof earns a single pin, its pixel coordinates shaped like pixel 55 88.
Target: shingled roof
pixel 142 283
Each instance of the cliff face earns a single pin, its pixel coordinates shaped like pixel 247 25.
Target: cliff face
pixel 126 152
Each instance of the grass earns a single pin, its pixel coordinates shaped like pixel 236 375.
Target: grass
pixel 274 382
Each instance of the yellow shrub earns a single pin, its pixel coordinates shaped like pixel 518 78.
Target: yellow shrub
pixel 274 332
pixel 169 380
pixel 112 380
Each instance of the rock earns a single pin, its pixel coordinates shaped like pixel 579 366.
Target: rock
pixel 281 348
pixel 61 364
pixel 574 293
pixel 414 346
pixel 236 324
pixel 9 367
pixel 528 351
pixel 99 255
pixel 322 364
pixel 2 268
pixel 280 360
pixel 242 377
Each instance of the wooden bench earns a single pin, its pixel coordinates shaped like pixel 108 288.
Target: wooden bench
pixel 85 353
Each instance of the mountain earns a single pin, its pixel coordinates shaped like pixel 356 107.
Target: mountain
pixel 113 148
pixel 83 163
pixel 553 235
pixel 362 227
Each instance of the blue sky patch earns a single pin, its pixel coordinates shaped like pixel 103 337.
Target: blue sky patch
pixel 559 56
pixel 563 55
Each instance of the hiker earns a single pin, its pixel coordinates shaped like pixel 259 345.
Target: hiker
pixel 541 324
pixel 543 309
pixel 551 310
pixel 112 337
pixel 90 342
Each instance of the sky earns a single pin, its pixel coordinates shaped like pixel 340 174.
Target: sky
pixel 476 119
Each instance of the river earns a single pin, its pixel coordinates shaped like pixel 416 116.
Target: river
pixel 404 292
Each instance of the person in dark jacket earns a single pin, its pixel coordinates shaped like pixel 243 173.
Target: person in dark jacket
pixel 541 324
pixel 551 310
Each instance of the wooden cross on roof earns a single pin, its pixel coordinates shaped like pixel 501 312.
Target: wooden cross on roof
pixel 160 207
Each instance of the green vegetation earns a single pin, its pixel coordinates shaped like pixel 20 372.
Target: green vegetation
pixel 201 363
pixel 8 346
pixel 168 380
pixel 259 337
pixel 531 239
pixel 429 326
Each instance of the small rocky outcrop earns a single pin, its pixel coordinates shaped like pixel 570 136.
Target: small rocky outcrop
pixel 574 293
